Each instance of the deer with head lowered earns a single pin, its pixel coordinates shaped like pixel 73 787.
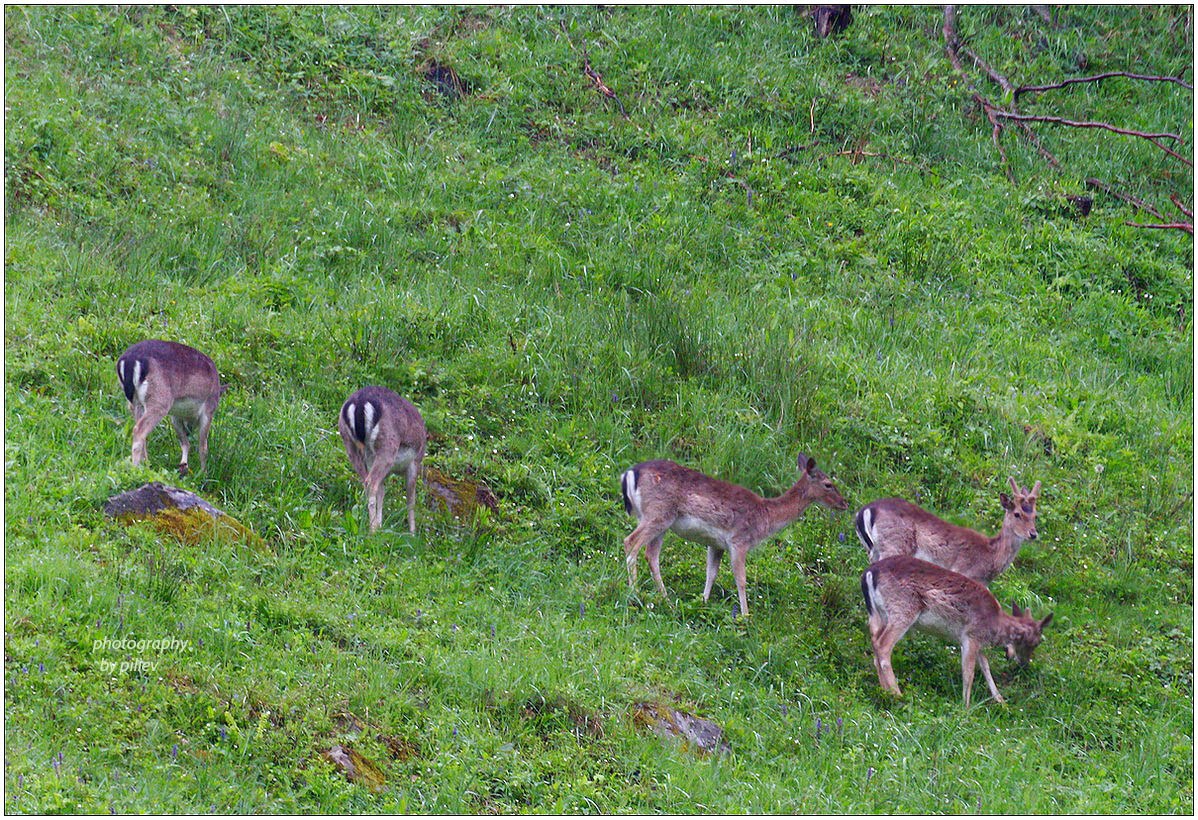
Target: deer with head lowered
pixel 383 434
pixel 892 526
pixel 724 517
pixel 167 378
pixel 902 592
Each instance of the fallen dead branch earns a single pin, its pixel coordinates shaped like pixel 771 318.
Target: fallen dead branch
pixel 1177 204
pixel 1035 89
pixel 999 116
pixel 1184 226
pixel 1128 198
pixel 1154 138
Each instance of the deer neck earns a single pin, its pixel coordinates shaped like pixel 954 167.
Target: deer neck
pixel 1004 546
pixel 784 509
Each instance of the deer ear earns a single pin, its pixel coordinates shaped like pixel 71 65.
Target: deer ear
pixel 1005 500
pixel 1015 610
pixel 1046 621
pixel 806 463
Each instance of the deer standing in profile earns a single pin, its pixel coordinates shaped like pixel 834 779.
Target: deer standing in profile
pixel 383 434
pixel 892 526
pixel 902 592
pixel 167 378
pixel 724 517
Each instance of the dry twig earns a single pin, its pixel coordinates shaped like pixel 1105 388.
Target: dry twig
pixel 593 75
pixel 600 86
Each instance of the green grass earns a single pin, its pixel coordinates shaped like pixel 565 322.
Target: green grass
pixel 564 291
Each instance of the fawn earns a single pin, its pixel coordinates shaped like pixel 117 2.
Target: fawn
pixel 383 434
pixel 902 592
pixel 892 526
pixel 167 378
pixel 724 517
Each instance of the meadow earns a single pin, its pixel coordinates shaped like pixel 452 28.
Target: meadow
pixel 756 244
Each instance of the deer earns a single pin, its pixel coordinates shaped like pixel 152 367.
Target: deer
pixel 903 592
pixel 724 517
pixel 384 433
pixel 893 526
pixel 167 378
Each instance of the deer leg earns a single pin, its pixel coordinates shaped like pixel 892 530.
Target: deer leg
pixel 653 553
pixel 632 548
pixel 739 557
pixel 147 421
pixel 184 445
pixel 876 627
pixel 989 680
pixel 969 657
pixel 884 640
pixel 714 556
pixel 413 471
pixel 205 423
pixel 375 480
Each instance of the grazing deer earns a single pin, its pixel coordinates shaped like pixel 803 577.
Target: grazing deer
pixel 724 517
pixel 383 434
pixel 902 592
pixel 892 526
pixel 167 378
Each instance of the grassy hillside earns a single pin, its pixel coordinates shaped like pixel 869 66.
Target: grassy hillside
pixel 763 244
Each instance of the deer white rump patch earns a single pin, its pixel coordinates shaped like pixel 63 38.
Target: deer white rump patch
pixel 867 524
pixel 876 603
pixel 634 492
pixel 369 427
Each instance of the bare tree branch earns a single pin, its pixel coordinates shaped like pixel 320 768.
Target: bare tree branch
pixel 592 74
pixel 1028 89
pixel 952 41
pixel 1002 81
pixel 1177 203
pixel 600 86
pixel 1128 198
pixel 1181 226
pixel 1011 115
pixel 953 46
pixel 1153 138
pixel 1000 115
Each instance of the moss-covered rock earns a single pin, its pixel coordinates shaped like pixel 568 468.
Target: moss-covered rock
pixel 355 767
pixel 181 514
